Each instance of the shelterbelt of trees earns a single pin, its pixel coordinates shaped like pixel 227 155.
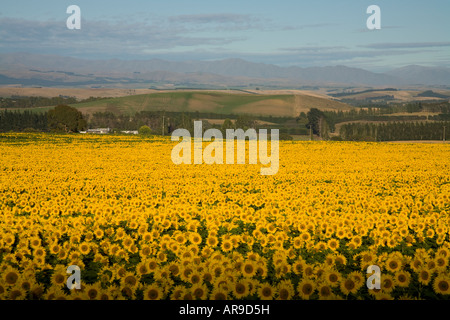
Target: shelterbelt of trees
pixel 411 121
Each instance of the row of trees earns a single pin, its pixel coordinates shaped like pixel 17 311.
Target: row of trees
pixel 35 102
pixel 394 131
pixel 64 118
pixel 22 121
pixel 158 121
pixel 60 119
pixel 384 113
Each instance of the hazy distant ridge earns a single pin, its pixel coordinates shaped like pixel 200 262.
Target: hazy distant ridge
pixel 16 65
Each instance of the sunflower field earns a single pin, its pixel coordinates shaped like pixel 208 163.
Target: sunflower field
pixel 140 227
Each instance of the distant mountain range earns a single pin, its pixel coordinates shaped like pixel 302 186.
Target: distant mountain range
pixel 51 70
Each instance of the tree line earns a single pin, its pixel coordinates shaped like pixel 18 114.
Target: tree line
pixel 62 118
pixel 35 102
pixel 23 121
pixel 395 131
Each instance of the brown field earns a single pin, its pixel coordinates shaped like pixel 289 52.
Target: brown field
pixel 79 93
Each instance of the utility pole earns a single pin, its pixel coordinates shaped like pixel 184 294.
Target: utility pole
pixel 443 139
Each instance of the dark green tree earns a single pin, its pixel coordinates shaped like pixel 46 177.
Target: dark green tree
pixel 315 116
pixel 245 122
pixel 227 124
pixel 64 118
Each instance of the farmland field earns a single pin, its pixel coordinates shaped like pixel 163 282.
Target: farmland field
pixel 264 102
pixel 140 227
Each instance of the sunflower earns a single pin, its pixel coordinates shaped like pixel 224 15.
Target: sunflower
pixel 358 278
pixel 333 244
pixel 129 280
pixel 10 276
pixel 207 276
pixel 297 267
pixel 120 272
pixel 367 259
pixel 329 260
pixel 402 278
pixel 180 239
pixel 266 291
pixel 441 284
pixel 393 265
pixel 187 294
pixel 104 295
pixel 325 291
pixel 430 233
pixel 431 265
pixel 195 277
pixel 285 290
pixel 441 262
pixel 416 264
pixel 17 293
pixel 424 276
pixel 84 248
pixel 226 246
pixel 348 286
pixel 199 291
pixel 340 259
pixel 176 292
pixel 58 278
pixel 174 269
pixel 62 254
pixel 387 283
pixel 212 241
pixel 127 292
pixel 297 242
pixel 239 289
pixel 92 291
pixel 248 269
pixel 445 252
pixel 383 296
pixel 308 271
pixel 142 268
pixel 152 292
pixel 25 284
pixel 305 236
pixel 36 292
pixel 152 265
pixel 332 277
pixel 99 233
pixel 306 288
pixel 39 252
pixel 261 270
pixel 55 293
pixel 219 293
pixel 186 273
pixel 35 242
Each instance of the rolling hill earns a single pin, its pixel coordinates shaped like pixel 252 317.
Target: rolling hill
pixel 215 102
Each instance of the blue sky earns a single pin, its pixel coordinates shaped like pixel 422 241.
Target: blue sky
pixel 302 33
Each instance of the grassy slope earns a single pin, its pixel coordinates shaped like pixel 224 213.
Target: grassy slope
pixel 217 102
